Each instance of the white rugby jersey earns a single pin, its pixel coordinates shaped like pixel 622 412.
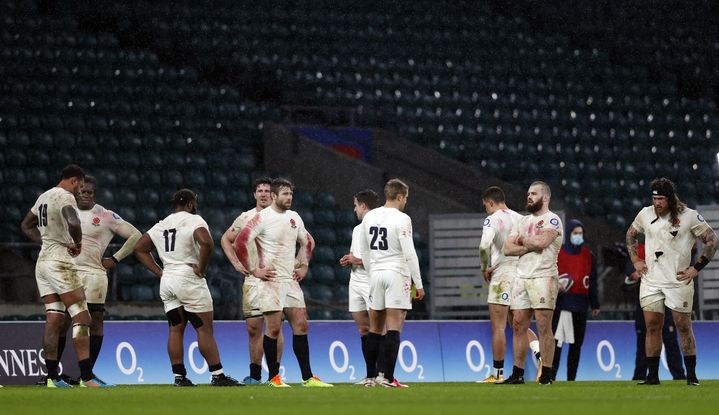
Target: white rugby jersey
pixel 386 243
pixel 175 243
pixel 543 263
pixel 236 227
pixel 494 232
pixel 276 235
pixel 668 245
pixel 99 226
pixel 52 225
pixel 358 273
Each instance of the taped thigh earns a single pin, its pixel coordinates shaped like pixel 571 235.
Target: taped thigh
pixel 56 307
pixel 77 308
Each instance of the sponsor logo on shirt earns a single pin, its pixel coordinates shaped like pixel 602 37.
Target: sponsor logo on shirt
pixel 700 218
pixel 95 221
pixel 486 222
pixel 505 296
pixel 554 222
pixel 116 216
pixel 541 300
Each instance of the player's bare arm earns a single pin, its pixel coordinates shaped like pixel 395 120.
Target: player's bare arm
pixel 632 240
pixel 304 254
pixel 513 247
pixel 29 228
pixel 228 238
pixel 142 252
pixel 131 236
pixel 709 239
pixel 207 245
pixel 74 227
pixel 485 253
pixel 540 241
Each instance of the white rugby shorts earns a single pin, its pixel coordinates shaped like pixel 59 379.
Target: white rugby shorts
pixel 390 289
pixel 56 277
pixel 535 293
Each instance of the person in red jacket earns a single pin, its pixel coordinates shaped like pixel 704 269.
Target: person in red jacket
pixel 578 292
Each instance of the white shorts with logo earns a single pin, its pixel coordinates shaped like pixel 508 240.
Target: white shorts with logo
pixel 535 293
pixel 500 289
pixel 189 292
pixel 56 277
pixel 390 289
pixel 280 294
pixel 95 284
pixel 653 298
pixel 358 296
pixel 250 300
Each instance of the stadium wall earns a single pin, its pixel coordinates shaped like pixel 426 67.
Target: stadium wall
pixel 432 351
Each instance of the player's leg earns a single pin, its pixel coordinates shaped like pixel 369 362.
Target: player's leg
pixel 688 344
pixel 95 293
pixel 652 300
pixel 498 314
pixel 395 321
pixel 273 325
pixel 557 349
pixel 671 348
pixel 54 321
pixel 77 308
pixel 361 319
pixel 177 321
pixel 546 342
pixel 579 321
pixel 640 359
pixel 254 333
pixel 202 321
pixel 520 324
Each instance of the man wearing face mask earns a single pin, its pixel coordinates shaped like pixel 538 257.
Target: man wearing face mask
pixel 576 263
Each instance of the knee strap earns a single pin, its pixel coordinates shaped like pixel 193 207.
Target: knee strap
pixel 194 319
pixel 77 308
pixel 80 330
pixel 174 317
pixel 57 307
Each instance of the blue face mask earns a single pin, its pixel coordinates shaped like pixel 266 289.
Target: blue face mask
pixel 576 239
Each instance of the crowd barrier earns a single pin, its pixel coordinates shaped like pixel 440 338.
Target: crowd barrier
pixel 432 351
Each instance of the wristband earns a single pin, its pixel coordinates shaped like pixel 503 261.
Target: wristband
pixel 701 263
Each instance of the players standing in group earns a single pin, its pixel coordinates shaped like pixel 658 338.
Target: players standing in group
pixel 184 244
pixel 667 278
pixel 277 230
pixel 54 222
pixel 388 255
pixel 250 293
pixel 536 240
pixel 499 271
pixel 99 226
pixel 364 201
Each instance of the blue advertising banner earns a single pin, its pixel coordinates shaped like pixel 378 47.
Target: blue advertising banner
pixel 136 353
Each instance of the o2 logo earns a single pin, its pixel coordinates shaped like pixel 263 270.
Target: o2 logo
pixel 341 365
pixel 191 358
pixel 412 366
pixel 611 364
pixel 471 345
pixel 132 367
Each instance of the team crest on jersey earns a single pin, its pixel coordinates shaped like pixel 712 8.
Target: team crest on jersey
pixel 95 221
pixel 539 226
pixel 293 224
pixel 675 223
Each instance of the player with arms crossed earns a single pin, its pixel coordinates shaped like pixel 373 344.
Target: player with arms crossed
pixel 364 201
pixel 388 254
pixel 499 271
pixel 277 230
pixel 54 222
pixel 250 299
pixel 536 239
pixel 670 229
pixel 184 244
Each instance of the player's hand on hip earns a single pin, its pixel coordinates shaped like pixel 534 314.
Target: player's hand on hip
pixel 687 275
pixel 300 273
pixel 420 294
pixel 197 270
pixel 265 274
pixel 487 274
pixel 108 263
pixel 641 268
pixel 74 249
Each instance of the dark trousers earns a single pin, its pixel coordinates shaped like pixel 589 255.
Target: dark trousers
pixel 579 321
pixel 671 346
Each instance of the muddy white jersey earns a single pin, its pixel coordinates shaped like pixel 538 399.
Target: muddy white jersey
pixel 175 244
pixel 537 264
pixel 276 235
pixel 358 273
pixel 52 225
pixel 386 240
pixel 497 226
pixel 236 227
pixel 99 226
pixel 668 243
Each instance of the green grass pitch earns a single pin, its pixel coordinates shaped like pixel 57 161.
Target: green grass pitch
pixel 578 398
